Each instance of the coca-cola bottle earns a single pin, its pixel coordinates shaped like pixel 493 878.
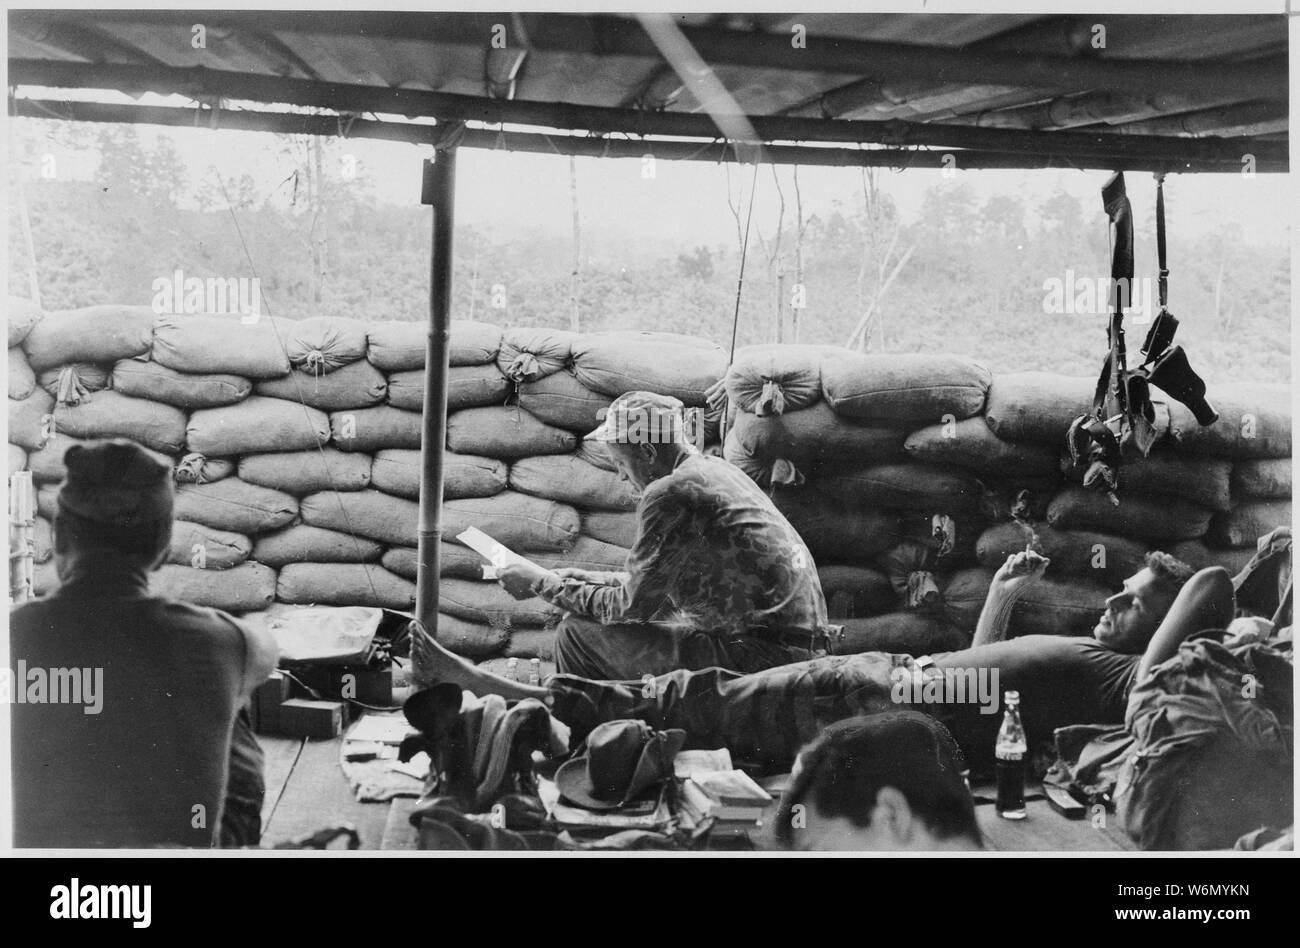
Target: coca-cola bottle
pixel 535 671
pixel 512 669
pixel 1010 751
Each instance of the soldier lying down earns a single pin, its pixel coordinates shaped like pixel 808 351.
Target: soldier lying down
pixel 765 717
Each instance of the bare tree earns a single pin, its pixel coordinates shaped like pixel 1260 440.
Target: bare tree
pixel 882 231
pixel 575 278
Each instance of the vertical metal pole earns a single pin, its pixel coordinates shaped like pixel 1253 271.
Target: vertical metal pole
pixel 438 190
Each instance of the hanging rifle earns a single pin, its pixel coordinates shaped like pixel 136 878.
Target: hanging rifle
pixel 1122 421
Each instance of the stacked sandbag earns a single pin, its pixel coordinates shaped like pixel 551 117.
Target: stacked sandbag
pixel 296 450
pixel 913 477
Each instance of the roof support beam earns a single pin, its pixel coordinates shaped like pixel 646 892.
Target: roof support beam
pixel 1268 158
pixel 605 35
pixel 1100 149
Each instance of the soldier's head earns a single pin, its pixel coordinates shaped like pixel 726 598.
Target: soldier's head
pixel 890 781
pixel 1134 613
pixel 644 434
pixel 115 505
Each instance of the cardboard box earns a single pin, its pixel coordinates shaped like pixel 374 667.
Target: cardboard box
pixel 266 701
pixel 367 685
pixel 299 717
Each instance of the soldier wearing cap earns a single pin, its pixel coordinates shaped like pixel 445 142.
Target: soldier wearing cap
pixel 716 577
pixel 151 762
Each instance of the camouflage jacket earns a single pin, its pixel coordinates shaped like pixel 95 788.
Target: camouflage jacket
pixel 712 554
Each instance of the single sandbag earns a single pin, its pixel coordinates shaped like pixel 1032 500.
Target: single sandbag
pixel 47 464
pixel 1254 422
pixel 42 540
pixel 372 429
pixel 1060 607
pixel 900 633
pixel 1199 556
pixel 489 604
pixel 204 344
pixel 814 434
pixel 344 584
pixel 1037 406
pixel 507 433
pixel 1048 607
pixel 1266 478
pixel 516 520
pixel 528 354
pixel 307 472
pixel 454 560
pixel 22 380
pixel 144 379
pixel 17 459
pixel 202 547
pixel 1107 559
pixel 571 480
pixel 607 526
pixel 1247 522
pixel 367 513
pixel 855 591
pixel 31 420
pixel 836 531
pixel 248 587
pixel 47 500
pixel 195 468
pixel 301 543
pixel 531 643
pixel 1205 480
pixel 470 639
pixel 614 363
pixel 561 400
pixel 255 425
pixel 357 385
pixel 23 315
pixel 1145 517
pixel 594 555
pixel 89 334
pixel 773 379
pixel 905 485
pixel 110 415
pixel 902 388
pixel 399 346
pixel 468 386
pixel 397 471
pixel 234 504
pixel 70 384
pixel 970 443
pixel 320 345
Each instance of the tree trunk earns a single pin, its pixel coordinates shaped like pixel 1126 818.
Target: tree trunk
pixel 575 277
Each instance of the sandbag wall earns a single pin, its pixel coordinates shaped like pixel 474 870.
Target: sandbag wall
pixel 913 477
pixel 296 452
pixel 296 445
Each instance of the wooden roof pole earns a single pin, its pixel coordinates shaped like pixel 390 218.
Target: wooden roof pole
pixel 204 83
pixel 438 191
pixel 1178 155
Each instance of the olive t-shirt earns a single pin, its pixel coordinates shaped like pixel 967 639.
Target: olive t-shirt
pixel 1061 679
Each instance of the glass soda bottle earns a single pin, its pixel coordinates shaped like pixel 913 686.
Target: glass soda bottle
pixel 535 672
pixel 512 669
pixel 1010 752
